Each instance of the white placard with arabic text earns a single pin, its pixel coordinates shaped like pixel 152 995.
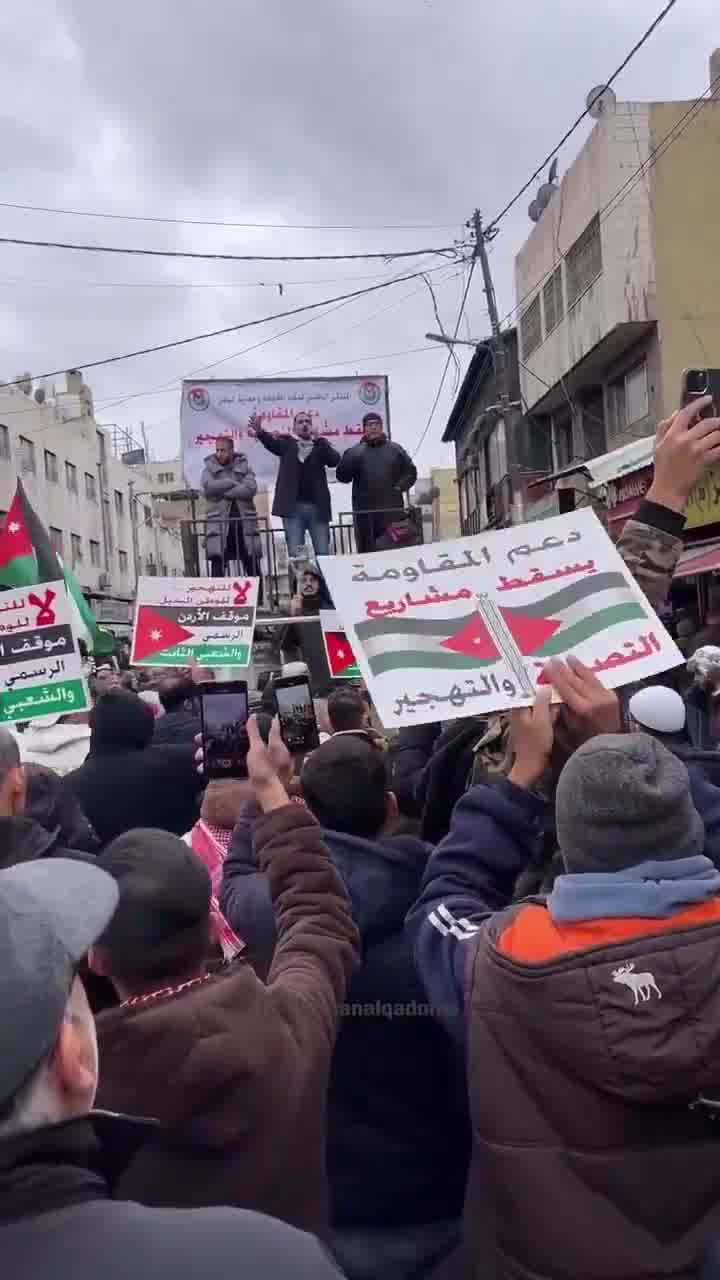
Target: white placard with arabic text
pixel 40 663
pixel 466 627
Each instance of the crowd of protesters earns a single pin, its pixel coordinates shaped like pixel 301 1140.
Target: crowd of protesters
pixel 428 1007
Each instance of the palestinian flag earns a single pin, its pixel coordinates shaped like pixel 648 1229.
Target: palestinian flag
pixel 27 557
pixel 450 644
pixel 566 618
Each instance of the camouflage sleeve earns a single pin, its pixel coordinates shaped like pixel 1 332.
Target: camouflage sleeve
pixel 651 555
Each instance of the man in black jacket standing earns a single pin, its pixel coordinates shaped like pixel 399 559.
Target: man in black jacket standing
pixel 302 497
pixel 59 1159
pixel 381 473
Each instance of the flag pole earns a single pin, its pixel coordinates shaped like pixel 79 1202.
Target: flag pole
pixel 503 638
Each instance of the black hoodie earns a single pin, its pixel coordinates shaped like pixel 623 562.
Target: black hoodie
pixel 398 1130
pixel 125 782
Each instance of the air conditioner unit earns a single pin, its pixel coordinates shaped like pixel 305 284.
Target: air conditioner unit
pixel 104 581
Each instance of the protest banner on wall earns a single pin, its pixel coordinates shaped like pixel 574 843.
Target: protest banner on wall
pixel 341 660
pixel 465 627
pixel 40 663
pixel 209 621
pixel 224 408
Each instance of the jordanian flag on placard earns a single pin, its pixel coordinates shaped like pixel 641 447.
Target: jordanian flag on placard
pixel 27 557
pixel 566 618
pixel 557 624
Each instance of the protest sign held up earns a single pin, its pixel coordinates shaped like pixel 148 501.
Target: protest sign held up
pixel 342 663
pixel 40 663
pixel 467 626
pixel 203 620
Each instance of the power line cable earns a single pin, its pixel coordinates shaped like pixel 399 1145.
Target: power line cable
pixel 388 256
pixel 448 362
pixel 247 226
pixel 576 124
pixel 217 333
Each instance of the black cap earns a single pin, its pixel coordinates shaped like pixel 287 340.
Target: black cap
pixel 165 890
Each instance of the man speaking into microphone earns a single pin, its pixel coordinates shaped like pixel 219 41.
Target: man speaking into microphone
pixel 381 472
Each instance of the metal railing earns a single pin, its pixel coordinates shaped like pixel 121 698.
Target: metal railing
pixel 265 550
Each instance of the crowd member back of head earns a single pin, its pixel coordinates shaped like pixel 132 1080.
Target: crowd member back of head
pixel 56 1215
pixel 181 722
pixel 125 782
pixel 31 825
pixel 348 710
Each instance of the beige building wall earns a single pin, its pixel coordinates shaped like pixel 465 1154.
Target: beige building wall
pixel 81 492
pixel 625 290
pixel 445 508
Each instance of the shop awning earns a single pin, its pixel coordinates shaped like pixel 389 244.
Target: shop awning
pixel 695 560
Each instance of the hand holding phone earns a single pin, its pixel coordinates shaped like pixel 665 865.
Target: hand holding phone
pixel 296 713
pixel 223 720
pixel 685 445
pixel 700 383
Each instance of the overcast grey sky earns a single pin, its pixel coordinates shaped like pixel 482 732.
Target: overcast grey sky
pixel 370 113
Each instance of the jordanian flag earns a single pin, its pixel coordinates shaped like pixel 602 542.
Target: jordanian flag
pixel 555 625
pixel 27 557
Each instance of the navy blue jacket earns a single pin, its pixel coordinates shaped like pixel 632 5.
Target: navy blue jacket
pixel 398 1132
pixel 495 832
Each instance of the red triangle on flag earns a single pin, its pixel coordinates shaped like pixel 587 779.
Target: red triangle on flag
pixel 529 634
pixel 340 654
pixel 153 633
pixel 473 641
pixel 14 535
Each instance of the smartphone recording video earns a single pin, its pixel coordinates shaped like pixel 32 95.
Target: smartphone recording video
pixel 296 712
pixel 701 382
pixel 223 717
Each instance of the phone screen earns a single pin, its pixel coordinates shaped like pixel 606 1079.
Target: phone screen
pixel 296 712
pixel 224 714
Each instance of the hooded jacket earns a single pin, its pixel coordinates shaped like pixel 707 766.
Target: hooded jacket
pixel 584 1060
pixel 396 1104
pixel 223 486
pixel 57 1217
pixel 125 782
pixel 236 1070
pixel 60 746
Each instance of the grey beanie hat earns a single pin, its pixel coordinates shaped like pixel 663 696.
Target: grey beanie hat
pixel 623 799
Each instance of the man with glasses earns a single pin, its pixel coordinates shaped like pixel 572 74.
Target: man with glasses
pixel 302 496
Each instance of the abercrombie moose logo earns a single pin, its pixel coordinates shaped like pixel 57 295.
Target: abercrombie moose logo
pixel 641 984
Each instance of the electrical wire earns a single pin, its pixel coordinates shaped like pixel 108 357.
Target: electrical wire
pixel 388 256
pixel 624 190
pixel 247 226
pixel 448 362
pixel 576 124
pixel 217 333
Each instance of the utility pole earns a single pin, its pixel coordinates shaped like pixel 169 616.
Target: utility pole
pixel 496 342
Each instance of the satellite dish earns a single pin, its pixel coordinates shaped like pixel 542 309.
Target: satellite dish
pixel 600 102
pixel 39 396
pixel 545 195
pixel 534 212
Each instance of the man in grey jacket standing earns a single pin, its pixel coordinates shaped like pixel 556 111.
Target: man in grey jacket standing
pixel 229 485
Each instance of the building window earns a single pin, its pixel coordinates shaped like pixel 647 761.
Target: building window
pixel 76 549
pixel 95 554
pixel 27 455
pixel 563 442
pixel 56 538
pixel 531 328
pixel 553 301
pixel 71 477
pixel 90 487
pixel 583 261
pixel 123 562
pixel 51 466
pixel 108 525
pixel 4 442
pixel 166 477
pixel 631 398
pixel 101 446
pixel 119 504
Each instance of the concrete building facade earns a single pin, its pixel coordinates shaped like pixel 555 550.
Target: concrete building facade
pixel 615 285
pixel 99 512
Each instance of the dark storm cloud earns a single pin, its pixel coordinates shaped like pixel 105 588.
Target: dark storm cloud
pixel 359 111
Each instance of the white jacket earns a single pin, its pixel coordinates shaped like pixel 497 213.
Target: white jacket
pixel 61 747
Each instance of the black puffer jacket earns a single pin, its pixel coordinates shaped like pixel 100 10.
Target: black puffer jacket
pixel 125 782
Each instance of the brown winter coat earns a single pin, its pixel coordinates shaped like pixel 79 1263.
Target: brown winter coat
pixel 588 1163
pixel 236 1070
